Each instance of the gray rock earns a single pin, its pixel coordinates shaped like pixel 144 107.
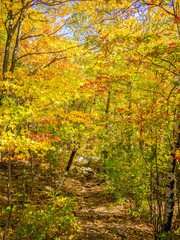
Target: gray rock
pixel 117 231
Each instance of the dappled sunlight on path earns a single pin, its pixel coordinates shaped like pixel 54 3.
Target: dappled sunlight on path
pixel 99 218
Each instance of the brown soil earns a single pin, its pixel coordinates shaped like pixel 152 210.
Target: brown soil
pixel 98 216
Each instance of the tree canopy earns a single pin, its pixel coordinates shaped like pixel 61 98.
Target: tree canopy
pixel 97 78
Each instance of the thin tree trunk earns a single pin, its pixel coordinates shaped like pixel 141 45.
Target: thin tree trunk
pixel 178 187
pixel 169 196
pixel 159 202
pixel 31 187
pixel 4 234
pixel 24 188
pixel 16 48
pixel 171 180
pixel 108 103
pixel 33 177
pixel 9 180
pixel 10 31
pixel 151 195
pixel 67 169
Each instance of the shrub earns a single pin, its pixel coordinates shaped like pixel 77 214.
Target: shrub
pixel 54 219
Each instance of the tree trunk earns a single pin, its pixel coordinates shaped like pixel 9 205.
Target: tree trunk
pixel 171 180
pixel 7 224
pixel 178 187
pixel 108 103
pixel 67 169
pixel 9 179
pixel 169 196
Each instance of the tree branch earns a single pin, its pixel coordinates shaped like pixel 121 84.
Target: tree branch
pixel 50 52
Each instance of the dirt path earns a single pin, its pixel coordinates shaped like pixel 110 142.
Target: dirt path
pixel 97 215
pixel 99 219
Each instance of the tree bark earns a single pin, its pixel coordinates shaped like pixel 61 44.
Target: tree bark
pixel 169 209
pixel 16 48
pixel 67 169
pixel 108 103
pixel 4 234
pixel 169 197
pixel 10 31
pixel 9 179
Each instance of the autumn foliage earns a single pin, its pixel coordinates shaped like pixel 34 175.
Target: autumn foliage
pixel 72 72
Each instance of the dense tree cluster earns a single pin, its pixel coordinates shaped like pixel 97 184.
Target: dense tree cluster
pixel 98 77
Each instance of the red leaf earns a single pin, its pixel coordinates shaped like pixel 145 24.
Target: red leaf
pixel 177 19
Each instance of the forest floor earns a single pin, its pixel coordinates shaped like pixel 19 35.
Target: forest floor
pixel 99 218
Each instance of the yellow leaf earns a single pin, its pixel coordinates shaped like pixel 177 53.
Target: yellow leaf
pixel 119 1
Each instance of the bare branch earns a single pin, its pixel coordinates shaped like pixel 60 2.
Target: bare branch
pixel 47 65
pixel 50 52
pixel 160 6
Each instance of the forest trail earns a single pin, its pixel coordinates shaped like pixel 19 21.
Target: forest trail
pixel 97 215
pixel 99 218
